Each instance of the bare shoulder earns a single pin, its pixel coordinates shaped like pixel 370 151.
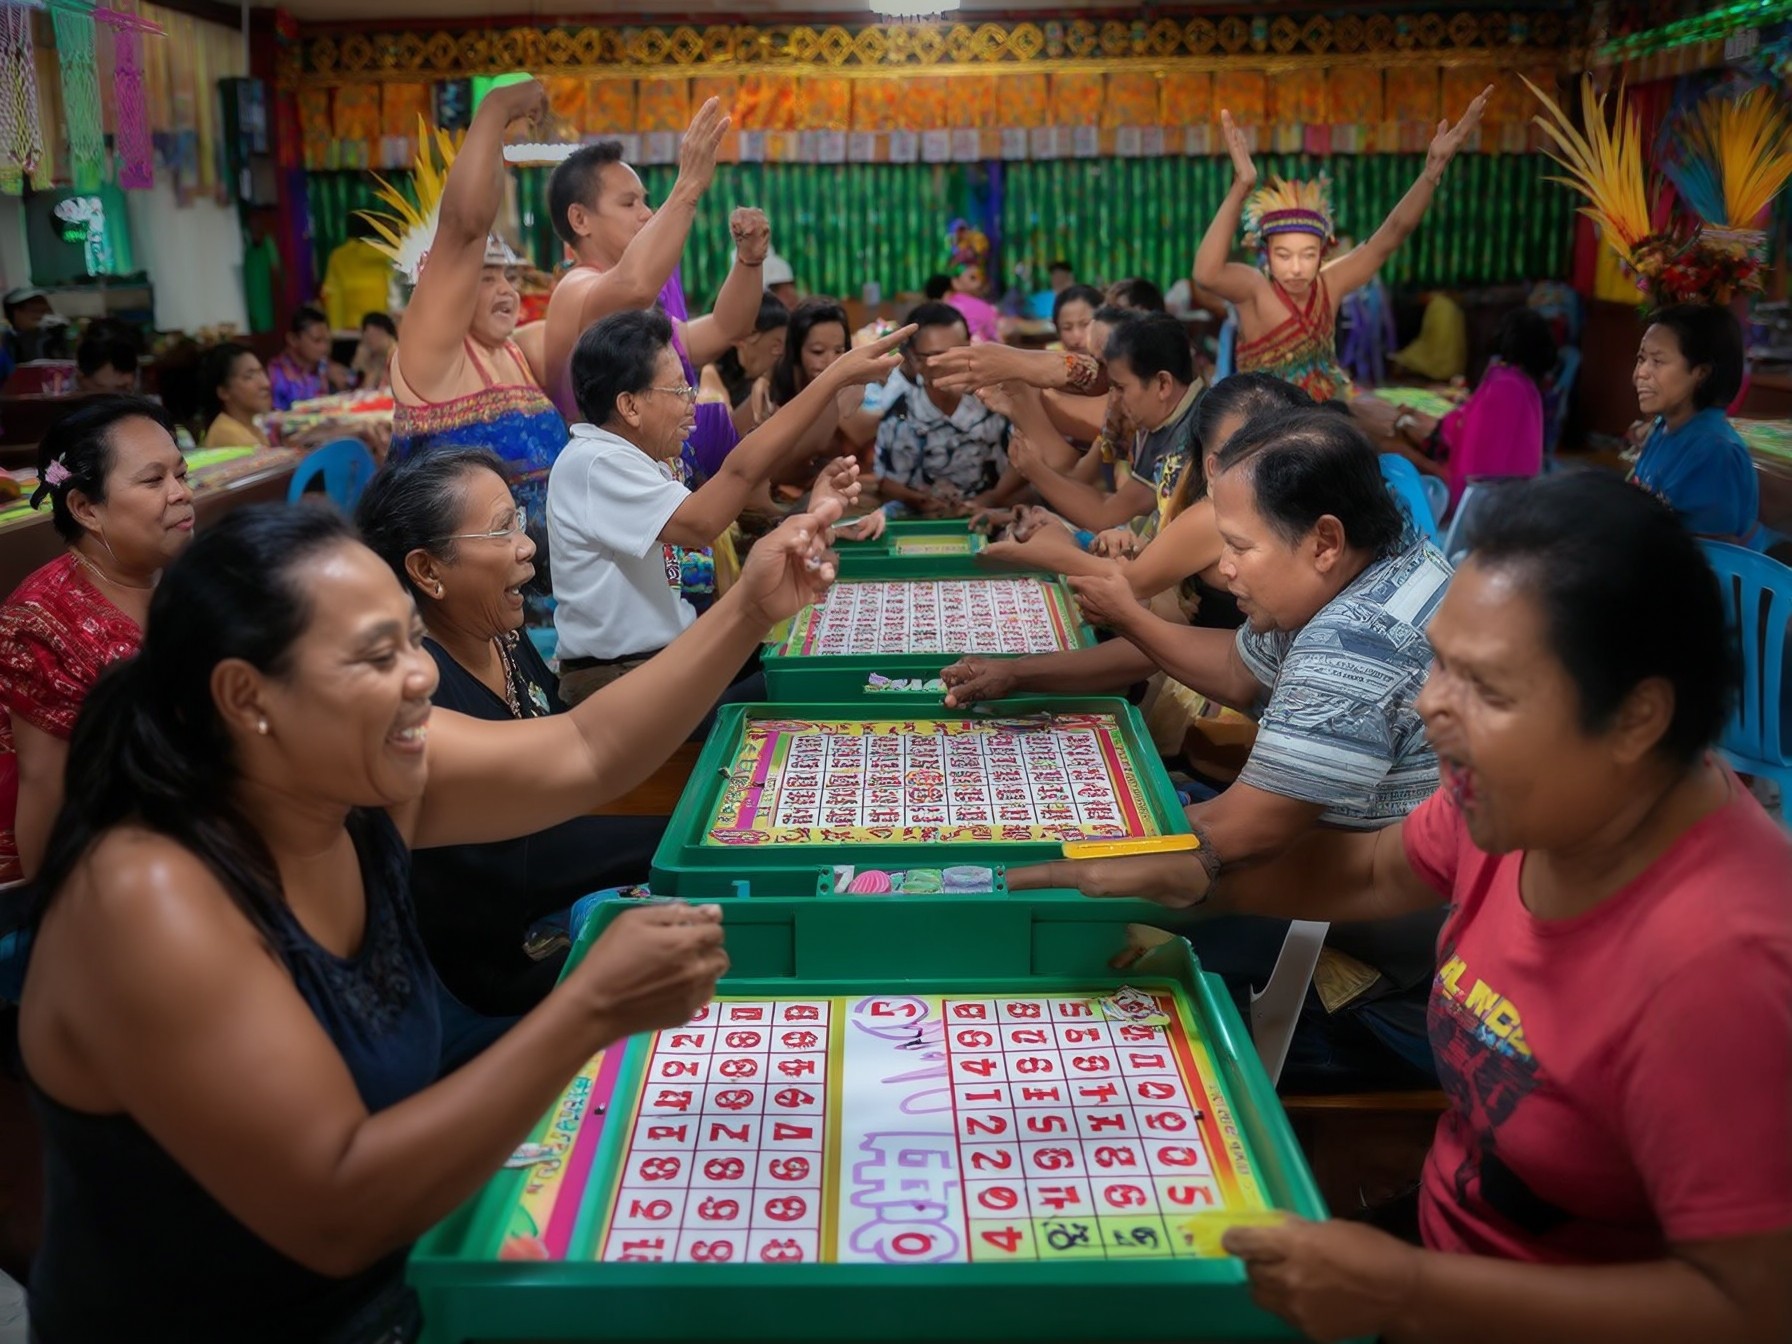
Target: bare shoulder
pixel 145 888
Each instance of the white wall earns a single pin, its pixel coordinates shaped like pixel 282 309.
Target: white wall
pixel 194 256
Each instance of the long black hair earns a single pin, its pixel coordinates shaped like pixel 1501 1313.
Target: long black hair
pixel 415 504
pixel 804 318
pixel 80 444
pixel 150 746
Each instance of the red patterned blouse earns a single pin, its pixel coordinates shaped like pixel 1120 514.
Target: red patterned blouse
pixel 57 634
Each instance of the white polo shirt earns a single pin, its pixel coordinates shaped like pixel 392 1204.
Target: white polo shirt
pixel 616 584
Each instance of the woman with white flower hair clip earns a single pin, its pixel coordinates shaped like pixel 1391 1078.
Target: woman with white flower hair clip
pixel 116 486
pixel 459 379
pixel 1288 311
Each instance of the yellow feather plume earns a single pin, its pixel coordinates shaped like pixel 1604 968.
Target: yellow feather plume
pixel 1746 138
pixel 406 228
pixel 1604 165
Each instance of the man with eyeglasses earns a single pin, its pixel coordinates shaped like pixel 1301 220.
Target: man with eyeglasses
pixel 617 512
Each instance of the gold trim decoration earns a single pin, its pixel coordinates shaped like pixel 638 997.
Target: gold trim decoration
pixel 326 56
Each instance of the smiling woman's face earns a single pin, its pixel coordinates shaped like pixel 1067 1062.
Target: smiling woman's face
pixel 484 568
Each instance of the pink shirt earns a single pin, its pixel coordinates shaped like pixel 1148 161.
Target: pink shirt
pixel 980 316
pixel 1497 432
pixel 1620 1081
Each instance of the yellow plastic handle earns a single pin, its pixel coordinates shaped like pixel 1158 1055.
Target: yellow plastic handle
pixel 1144 844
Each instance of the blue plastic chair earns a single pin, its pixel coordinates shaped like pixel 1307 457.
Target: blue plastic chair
pixel 1757 594
pixel 1224 358
pixel 1437 492
pixel 345 466
pixel 1408 489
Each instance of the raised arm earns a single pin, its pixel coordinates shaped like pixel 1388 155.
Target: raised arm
pixel 1230 280
pixel 737 302
pixel 447 291
pixel 1358 266
pixel 496 781
pixel 652 254
pixel 170 1010
pixel 718 501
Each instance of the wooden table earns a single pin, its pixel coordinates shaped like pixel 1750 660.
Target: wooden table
pixel 30 542
pixel 1770 445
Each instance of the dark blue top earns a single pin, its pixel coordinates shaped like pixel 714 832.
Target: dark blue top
pixel 1704 473
pixel 135 1249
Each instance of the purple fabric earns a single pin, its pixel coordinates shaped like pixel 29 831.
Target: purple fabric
pixel 715 436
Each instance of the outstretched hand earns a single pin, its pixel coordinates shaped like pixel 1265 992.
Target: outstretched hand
pixel 969 368
pixel 838 481
pixel 1176 881
pixel 702 140
pixel 872 362
pixel 654 967
pixel 791 567
pixel 1449 138
pixel 1238 144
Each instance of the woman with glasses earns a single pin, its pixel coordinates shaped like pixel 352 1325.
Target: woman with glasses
pixel 450 529
pixel 616 509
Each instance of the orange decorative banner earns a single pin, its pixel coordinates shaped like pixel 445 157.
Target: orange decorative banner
pixel 767 103
pixel 1356 95
pixel 1076 99
pixel 923 104
pixel 1411 92
pixel 357 113
pixel 662 104
pixel 568 100
pixel 1243 93
pixel 977 101
pixel 1463 84
pixel 1022 100
pixel 1187 99
pixel 726 90
pixel 1131 100
pixel 824 103
pixel 610 107
pixel 874 104
pixel 315 126
pixel 1298 97
pixel 400 106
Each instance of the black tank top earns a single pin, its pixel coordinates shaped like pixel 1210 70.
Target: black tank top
pixel 134 1249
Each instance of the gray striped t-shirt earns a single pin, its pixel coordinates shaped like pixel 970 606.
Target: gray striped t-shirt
pixel 1340 729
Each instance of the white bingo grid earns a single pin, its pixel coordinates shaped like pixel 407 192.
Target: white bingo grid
pixel 937 616
pixel 1046 776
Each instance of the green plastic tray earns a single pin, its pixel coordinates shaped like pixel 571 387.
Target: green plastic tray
pixel 792 675
pixel 794 949
pixel 684 865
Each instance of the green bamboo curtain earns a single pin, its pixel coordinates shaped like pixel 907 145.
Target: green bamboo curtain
pixel 1496 219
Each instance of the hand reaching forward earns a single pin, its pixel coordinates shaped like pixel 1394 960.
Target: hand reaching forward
pixel 838 481
pixel 969 368
pixel 872 362
pixel 868 528
pixel 654 967
pixel 791 567
pixel 1107 599
pixel 1449 138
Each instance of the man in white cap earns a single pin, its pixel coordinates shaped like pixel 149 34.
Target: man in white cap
pixel 780 280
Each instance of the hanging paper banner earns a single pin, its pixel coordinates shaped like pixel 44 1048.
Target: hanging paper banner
pixel 1243 93
pixel 610 108
pixel 662 105
pixel 402 107
pixel 1186 99
pixel 1131 100
pixel 725 89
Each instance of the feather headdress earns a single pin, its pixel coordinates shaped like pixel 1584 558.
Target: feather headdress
pixel 1281 206
pixel 1729 157
pixel 407 229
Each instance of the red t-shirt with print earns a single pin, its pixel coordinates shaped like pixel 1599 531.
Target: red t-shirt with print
pixel 1620 1081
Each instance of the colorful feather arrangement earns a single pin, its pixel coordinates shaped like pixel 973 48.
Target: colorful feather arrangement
pixel 1604 164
